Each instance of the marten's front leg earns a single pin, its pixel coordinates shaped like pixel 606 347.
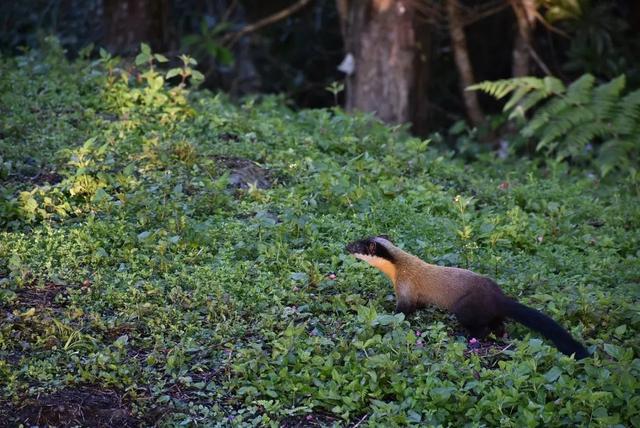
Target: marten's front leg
pixel 405 302
pixel 405 307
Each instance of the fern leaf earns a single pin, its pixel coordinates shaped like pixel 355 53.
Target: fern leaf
pixel 554 131
pixel 538 121
pixel 516 97
pixel 501 88
pixel 551 110
pixel 585 133
pixel 605 96
pixel 553 85
pixel 614 154
pixel 556 106
pixel 566 120
pixel 630 104
pixel 580 115
pixel 529 101
pixel 626 117
pixel 579 92
pixel 497 89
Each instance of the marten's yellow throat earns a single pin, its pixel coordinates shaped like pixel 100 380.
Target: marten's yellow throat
pixel 476 301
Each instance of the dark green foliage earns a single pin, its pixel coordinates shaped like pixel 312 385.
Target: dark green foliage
pixel 581 121
pixel 208 42
pixel 141 270
pixel 597 36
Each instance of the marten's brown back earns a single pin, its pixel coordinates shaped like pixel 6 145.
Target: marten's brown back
pixel 443 286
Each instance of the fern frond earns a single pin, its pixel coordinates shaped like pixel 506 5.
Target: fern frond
pixel 553 132
pixel 555 109
pixel 579 92
pixel 497 88
pixel 568 119
pixel 627 115
pixel 585 134
pixel 537 122
pixel 553 85
pixel 528 102
pixel 501 88
pixel 578 116
pixel 516 97
pixel 630 104
pixel 615 154
pixel 605 96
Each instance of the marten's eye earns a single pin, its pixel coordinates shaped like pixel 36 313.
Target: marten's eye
pixel 372 248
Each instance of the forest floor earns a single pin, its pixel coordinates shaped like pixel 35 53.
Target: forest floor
pixel 175 258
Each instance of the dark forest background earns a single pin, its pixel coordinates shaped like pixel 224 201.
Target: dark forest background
pixel 296 47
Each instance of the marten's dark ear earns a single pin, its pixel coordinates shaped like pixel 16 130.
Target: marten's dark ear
pixel 382 251
pixel 372 248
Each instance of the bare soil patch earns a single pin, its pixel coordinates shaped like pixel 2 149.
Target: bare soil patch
pixel 39 177
pixel 46 176
pixel 83 406
pixel 228 136
pixel 244 172
pixel 315 419
pixel 34 296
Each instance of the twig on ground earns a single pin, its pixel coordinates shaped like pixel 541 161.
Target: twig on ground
pixel 361 420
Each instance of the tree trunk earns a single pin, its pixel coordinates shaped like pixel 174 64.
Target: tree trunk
pixel 524 11
pixel 461 56
pixel 130 22
pixel 381 36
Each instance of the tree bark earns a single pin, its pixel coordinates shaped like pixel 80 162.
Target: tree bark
pixel 382 38
pixel 130 22
pixel 463 62
pixel 524 11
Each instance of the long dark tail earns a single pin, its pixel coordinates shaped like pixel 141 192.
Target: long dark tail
pixel 546 326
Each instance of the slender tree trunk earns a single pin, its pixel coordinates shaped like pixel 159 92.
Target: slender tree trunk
pixel 524 11
pixel 130 22
pixel 421 110
pixel 381 36
pixel 461 55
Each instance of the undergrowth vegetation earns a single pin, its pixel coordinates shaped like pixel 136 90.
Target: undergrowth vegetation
pixel 185 255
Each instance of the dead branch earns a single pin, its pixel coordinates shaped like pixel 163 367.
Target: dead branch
pixel 434 14
pixel 550 27
pixel 539 61
pixel 473 16
pixel 278 16
pixel 229 11
pixel 463 62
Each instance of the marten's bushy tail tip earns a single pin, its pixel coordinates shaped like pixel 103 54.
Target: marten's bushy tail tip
pixel 538 321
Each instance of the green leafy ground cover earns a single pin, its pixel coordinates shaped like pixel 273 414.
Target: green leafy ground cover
pixel 166 258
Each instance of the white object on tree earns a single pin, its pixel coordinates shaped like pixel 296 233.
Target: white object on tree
pixel 348 65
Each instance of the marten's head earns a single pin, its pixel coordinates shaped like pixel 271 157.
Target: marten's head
pixel 377 251
pixel 375 246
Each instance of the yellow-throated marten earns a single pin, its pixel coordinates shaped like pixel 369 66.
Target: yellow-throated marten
pixel 476 301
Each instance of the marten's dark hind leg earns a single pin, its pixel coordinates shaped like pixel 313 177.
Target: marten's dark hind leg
pixel 497 327
pixel 472 314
